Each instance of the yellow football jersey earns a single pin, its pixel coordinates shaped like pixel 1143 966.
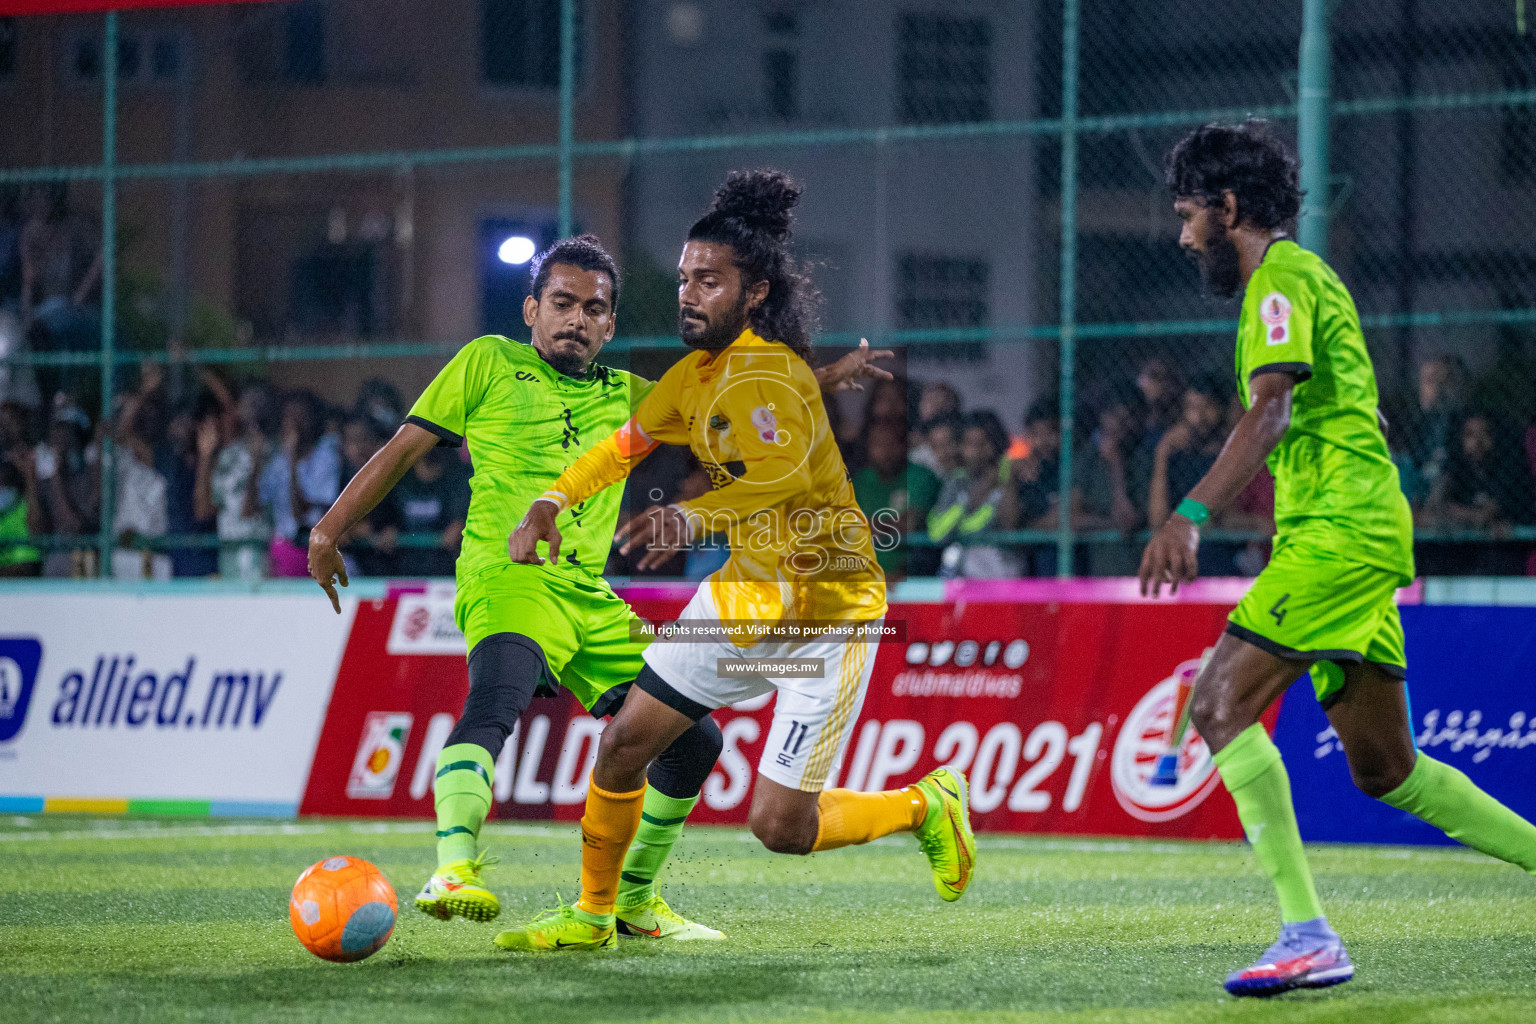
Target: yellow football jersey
pixel 801 549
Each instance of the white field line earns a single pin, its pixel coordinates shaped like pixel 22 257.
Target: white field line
pixel 108 830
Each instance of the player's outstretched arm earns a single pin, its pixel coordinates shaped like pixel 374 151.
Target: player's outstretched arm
pixel 846 374
pixel 361 495
pixel 1170 555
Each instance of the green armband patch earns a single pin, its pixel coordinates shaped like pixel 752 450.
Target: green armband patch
pixel 1194 511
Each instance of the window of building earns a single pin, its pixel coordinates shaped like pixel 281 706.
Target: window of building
pixel 781 83
pixel 7 48
pixel 142 58
pixel 935 290
pixel 85 61
pixel 303 61
pixel 520 43
pixel 340 290
pixel 130 57
pixel 943 69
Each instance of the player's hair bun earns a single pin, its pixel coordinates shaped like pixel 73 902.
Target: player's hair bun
pixel 762 200
pixel 752 213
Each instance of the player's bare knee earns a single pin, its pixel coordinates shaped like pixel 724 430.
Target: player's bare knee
pixel 623 751
pixel 777 840
pixel 1213 717
pixel 1375 783
pixel 780 834
pixel 1378 779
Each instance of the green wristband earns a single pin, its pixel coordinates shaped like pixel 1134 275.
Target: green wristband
pixel 1194 511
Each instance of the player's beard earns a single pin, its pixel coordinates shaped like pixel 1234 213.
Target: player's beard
pixel 565 360
pixel 1220 274
pixel 714 335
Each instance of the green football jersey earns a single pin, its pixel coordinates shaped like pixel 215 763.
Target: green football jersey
pixel 525 423
pixel 1335 483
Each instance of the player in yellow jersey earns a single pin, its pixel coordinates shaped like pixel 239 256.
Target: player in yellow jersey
pixel 801 583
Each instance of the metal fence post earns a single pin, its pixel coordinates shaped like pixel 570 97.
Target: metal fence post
pixel 1312 124
pixel 567 109
pixel 1068 398
pixel 108 287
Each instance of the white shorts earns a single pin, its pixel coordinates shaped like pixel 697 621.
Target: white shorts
pixel 813 718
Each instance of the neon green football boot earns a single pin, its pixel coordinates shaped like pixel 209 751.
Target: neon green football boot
pixel 945 835
pixel 653 919
pixel 456 888
pixel 558 929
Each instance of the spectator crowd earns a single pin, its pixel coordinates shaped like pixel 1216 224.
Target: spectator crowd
pixel 213 477
pixel 1140 450
pixel 1467 470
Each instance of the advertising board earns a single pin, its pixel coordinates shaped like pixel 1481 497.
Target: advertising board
pixel 182 703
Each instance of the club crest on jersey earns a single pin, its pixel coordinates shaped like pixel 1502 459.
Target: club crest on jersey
pixel 766 423
pixel 720 423
pixel 1275 311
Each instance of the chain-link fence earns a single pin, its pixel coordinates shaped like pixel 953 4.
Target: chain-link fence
pixel 240 203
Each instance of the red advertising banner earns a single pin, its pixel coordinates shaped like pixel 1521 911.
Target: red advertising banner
pixel 84 6
pixel 1057 712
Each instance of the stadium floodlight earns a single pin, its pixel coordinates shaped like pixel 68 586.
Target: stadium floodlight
pixel 516 250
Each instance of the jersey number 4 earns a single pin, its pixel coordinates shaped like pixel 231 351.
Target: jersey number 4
pixel 1279 610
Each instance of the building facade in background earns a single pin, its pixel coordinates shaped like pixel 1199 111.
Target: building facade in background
pixel 907 235
pixel 938 220
pixel 406 252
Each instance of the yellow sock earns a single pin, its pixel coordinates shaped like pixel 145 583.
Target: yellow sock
pixel 607 829
pixel 848 817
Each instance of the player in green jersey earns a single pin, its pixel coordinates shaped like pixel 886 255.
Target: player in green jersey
pixel 527 412
pixel 1343 545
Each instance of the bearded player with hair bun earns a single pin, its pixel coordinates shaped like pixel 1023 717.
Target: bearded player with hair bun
pixel 802 562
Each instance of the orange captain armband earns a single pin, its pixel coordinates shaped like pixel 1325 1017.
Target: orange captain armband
pixel 632 441
pixel 608 462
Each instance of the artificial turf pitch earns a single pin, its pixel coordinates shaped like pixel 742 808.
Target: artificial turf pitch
pixel 151 920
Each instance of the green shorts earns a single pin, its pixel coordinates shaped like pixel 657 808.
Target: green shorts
pixel 582 626
pixel 1316 607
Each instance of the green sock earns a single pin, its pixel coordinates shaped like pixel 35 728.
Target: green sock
pixel 661 822
pixel 462 796
pixel 595 920
pixel 1448 800
pixel 1255 776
